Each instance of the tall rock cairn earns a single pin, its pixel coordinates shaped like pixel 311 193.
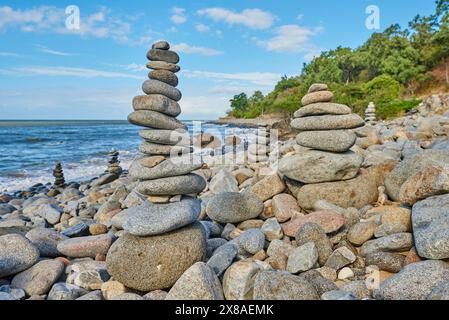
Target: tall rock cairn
pixel 163 237
pixel 370 113
pixel 325 133
pixel 114 163
pixel 58 173
pixel 164 135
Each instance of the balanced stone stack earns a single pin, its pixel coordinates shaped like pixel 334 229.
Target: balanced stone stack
pixel 370 113
pixel 164 239
pixel 259 148
pixel 114 163
pixel 165 169
pixel 59 176
pixel 325 133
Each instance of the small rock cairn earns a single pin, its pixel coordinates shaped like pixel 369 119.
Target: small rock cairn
pixel 114 163
pixel 58 173
pixel 259 149
pixel 370 113
pixel 326 136
pixel 163 237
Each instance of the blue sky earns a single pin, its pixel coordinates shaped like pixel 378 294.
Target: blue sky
pixel 50 72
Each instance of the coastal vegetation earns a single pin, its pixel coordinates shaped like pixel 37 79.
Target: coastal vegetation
pixel 393 69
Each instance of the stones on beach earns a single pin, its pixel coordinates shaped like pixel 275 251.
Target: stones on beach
pixel 114 163
pixel 158 103
pixel 172 186
pixel 327 122
pixel 154 119
pixel 331 141
pixel 233 207
pixel 163 55
pixel 159 87
pixel 83 247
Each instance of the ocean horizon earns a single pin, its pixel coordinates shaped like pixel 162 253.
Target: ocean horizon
pixel 29 149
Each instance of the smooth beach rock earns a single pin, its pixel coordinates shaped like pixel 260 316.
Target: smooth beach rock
pixel 328 122
pixel 161 65
pixel 332 140
pixel 170 137
pixel 156 120
pixel 313 232
pixel 233 207
pixel 222 258
pixel 318 109
pixel 302 258
pixel 318 87
pixel 199 282
pixel 165 76
pixel 39 279
pixel 223 181
pixel 154 219
pixel 187 184
pixel 275 285
pixel 410 167
pixel 157 102
pixel 268 187
pixel 330 221
pixel 159 87
pixel 84 247
pixel 163 55
pixel 431 227
pixel 167 168
pixel 162 45
pixel 65 291
pixel 17 253
pixel 317 96
pixel 340 258
pixel 284 207
pixel 251 241
pixel 318 166
pixel 361 232
pixel 238 280
pixel 156 262
pixel 46 241
pixel 415 282
pixel 440 292
pixel 387 261
pixel 151 161
pixel 164 150
pixel 398 242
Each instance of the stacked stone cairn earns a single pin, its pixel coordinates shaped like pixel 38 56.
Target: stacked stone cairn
pixel 114 163
pixel 259 148
pixel 326 138
pixel 163 237
pixel 370 113
pixel 59 176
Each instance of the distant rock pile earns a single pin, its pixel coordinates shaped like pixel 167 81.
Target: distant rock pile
pixel 162 240
pixel 58 173
pixel 370 113
pixel 114 163
pixel 259 149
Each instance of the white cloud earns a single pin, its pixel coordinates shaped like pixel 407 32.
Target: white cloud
pixel 202 28
pixel 65 72
pixel 203 107
pixel 10 54
pixel 54 52
pixel 172 30
pixel 50 19
pixel 300 17
pixel 178 16
pixel 185 48
pixel 255 19
pixel 290 38
pixel 257 78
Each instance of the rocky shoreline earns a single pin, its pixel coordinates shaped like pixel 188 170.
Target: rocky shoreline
pixel 359 213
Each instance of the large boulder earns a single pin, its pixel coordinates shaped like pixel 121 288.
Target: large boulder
pixel 430 220
pixel 415 282
pixel 156 262
pixel 412 166
pixel 17 253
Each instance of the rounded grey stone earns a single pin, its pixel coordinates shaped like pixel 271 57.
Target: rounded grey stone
pixel 161 65
pixel 398 242
pixel 153 219
pixel 318 87
pixel 333 140
pixel 250 241
pixel 166 168
pixel 234 207
pixel 162 45
pixel 165 76
pixel 317 166
pixel 170 137
pixel 46 241
pixel 323 108
pixel 163 150
pixel 312 232
pixel 328 122
pixel 159 87
pixel 156 262
pixel 387 261
pixel 187 184
pixel 157 102
pixel 65 291
pixel 156 120
pixel 163 55
pixel 302 258
pixel 17 253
